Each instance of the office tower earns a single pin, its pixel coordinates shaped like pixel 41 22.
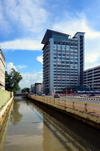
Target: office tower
pixel 63 61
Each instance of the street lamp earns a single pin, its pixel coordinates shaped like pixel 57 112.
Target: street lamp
pixel 66 90
pixel 88 87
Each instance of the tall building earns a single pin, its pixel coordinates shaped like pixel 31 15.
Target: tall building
pixel 2 70
pixel 92 78
pixel 63 61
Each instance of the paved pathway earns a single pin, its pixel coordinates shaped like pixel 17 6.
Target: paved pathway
pixel 95 100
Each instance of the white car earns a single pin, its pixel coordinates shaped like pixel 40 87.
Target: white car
pixel 83 95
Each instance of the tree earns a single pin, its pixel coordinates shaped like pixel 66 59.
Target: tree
pixel 12 80
pixel 16 116
pixel 25 90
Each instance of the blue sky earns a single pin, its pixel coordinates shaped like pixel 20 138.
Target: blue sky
pixel 23 24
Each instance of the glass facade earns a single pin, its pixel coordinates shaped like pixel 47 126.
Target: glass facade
pixel 66 61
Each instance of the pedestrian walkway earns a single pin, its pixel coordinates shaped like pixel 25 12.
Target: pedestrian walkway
pixel 87 99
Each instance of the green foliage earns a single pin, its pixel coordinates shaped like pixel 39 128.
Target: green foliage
pixel 12 80
pixel 25 90
pixel 16 115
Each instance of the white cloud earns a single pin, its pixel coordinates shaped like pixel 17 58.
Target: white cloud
pixel 21 66
pixel 23 44
pixel 40 59
pixel 24 15
pixel 30 78
pixel 92 37
pixel 9 66
pixel 31 18
pixel 73 25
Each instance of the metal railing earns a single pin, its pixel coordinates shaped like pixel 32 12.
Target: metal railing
pixel 84 107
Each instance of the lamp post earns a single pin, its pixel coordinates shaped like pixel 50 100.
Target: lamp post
pixel 88 87
pixel 66 90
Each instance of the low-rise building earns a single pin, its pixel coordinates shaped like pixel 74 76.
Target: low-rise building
pixel 92 78
pixel 2 70
pixel 37 88
pixel 32 88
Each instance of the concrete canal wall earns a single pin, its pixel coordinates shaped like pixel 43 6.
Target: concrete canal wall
pixel 6 99
pixel 88 113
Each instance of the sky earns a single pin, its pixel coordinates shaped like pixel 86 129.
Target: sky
pixel 23 24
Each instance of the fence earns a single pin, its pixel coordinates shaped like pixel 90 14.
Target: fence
pixel 86 112
pixel 4 97
pixel 76 105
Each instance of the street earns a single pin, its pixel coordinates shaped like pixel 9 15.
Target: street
pixel 87 99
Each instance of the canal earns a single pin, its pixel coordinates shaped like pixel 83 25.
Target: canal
pixel 32 126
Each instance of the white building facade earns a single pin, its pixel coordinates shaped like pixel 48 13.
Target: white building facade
pixel 32 88
pixel 2 70
pixel 92 78
pixel 63 61
pixel 39 88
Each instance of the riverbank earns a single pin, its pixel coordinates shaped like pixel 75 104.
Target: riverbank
pixel 4 111
pixel 88 113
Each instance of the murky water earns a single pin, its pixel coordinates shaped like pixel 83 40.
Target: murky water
pixel 34 127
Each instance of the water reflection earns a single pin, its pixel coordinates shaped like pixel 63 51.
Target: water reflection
pixel 25 130
pixel 34 127
pixel 67 130
pixel 4 129
pixel 15 115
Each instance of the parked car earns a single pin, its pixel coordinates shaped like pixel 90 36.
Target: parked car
pixel 92 95
pixel 56 96
pixel 83 95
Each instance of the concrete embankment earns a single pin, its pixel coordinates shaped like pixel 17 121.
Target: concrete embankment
pixel 88 113
pixel 5 105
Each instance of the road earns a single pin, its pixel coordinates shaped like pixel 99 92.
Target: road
pixel 94 99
